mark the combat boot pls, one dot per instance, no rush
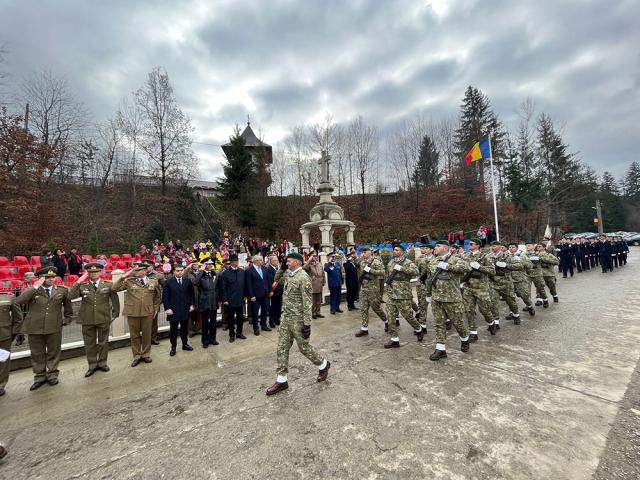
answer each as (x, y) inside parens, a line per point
(531, 310)
(392, 344)
(545, 304)
(277, 387)
(538, 302)
(473, 337)
(420, 335)
(464, 346)
(516, 320)
(362, 333)
(437, 355)
(511, 316)
(555, 299)
(424, 331)
(492, 329)
(324, 373)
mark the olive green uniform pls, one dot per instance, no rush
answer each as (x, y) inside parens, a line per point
(521, 283)
(535, 275)
(140, 305)
(159, 277)
(10, 326)
(99, 306)
(422, 264)
(548, 262)
(370, 289)
(43, 324)
(503, 284)
(400, 295)
(476, 289)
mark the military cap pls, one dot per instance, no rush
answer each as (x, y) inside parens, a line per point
(399, 245)
(93, 267)
(233, 257)
(148, 262)
(418, 244)
(529, 242)
(442, 242)
(515, 244)
(497, 242)
(140, 266)
(297, 256)
(47, 272)
(475, 240)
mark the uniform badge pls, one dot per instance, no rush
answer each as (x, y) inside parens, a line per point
(308, 288)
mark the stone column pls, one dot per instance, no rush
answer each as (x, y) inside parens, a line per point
(118, 325)
(350, 240)
(326, 241)
(305, 237)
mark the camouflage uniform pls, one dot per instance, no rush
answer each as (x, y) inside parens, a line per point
(521, 283)
(421, 289)
(400, 294)
(535, 275)
(296, 311)
(503, 284)
(476, 290)
(548, 262)
(10, 326)
(370, 289)
(447, 303)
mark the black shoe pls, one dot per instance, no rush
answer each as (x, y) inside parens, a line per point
(473, 337)
(147, 359)
(232, 338)
(104, 368)
(314, 316)
(266, 329)
(424, 331)
(320, 316)
(355, 308)
(511, 316)
(241, 336)
(205, 345)
(332, 312)
(516, 320)
(532, 311)
(339, 311)
(256, 332)
(497, 326)
(420, 335)
(187, 347)
(155, 342)
(392, 344)
(545, 304)
(492, 329)
(362, 333)
(53, 381)
(273, 325)
(172, 352)
(464, 346)
(350, 308)
(538, 303)
(2, 392)
(555, 299)
(136, 362)
(90, 372)
(37, 385)
(437, 355)
(214, 343)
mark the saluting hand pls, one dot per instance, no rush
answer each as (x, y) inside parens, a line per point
(128, 273)
(82, 278)
(39, 282)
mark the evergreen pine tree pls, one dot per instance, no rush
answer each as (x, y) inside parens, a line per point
(613, 213)
(631, 182)
(426, 173)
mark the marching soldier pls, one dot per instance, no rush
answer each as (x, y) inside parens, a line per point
(296, 324)
(99, 307)
(370, 270)
(400, 271)
(503, 283)
(10, 325)
(426, 253)
(152, 274)
(44, 324)
(535, 274)
(444, 295)
(521, 283)
(140, 305)
(475, 289)
(548, 261)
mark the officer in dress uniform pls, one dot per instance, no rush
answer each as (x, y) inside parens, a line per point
(152, 274)
(100, 305)
(44, 323)
(10, 325)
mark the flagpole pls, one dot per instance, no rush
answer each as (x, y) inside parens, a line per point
(493, 191)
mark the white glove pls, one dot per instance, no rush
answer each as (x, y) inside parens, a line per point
(429, 300)
(397, 268)
(367, 269)
(475, 265)
(535, 257)
(443, 265)
(501, 264)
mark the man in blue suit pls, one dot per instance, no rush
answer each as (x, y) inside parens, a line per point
(275, 305)
(334, 281)
(233, 288)
(178, 298)
(258, 291)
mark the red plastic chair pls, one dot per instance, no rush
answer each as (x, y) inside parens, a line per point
(15, 284)
(59, 281)
(24, 269)
(71, 279)
(4, 262)
(121, 265)
(87, 258)
(20, 261)
(105, 276)
(114, 257)
(6, 274)
(35, 262)
(126, 257)
(137, 257)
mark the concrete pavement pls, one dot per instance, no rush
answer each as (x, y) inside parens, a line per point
(536, 401)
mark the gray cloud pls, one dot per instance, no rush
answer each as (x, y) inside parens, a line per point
(286, 62)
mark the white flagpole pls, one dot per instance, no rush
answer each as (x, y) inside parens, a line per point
(493, 191)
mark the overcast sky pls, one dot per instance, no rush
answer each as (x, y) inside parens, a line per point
(291, 62)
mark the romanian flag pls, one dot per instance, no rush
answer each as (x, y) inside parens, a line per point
(480, 150)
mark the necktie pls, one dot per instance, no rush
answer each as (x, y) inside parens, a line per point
(95, 286)
(180, 281)
(142, 282)
(48, 290)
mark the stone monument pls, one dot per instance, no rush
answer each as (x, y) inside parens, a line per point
(326, 215)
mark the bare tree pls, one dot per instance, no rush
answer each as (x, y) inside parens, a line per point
(129, 120)
(56, 118)
(364, 146)
(296, 146)
(166, 132)
(403, 148)
(110, 144)
(444, 138)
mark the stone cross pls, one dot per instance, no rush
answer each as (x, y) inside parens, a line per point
(324, 167)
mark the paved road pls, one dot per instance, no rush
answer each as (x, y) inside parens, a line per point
(542, 400)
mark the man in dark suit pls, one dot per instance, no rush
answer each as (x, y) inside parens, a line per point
(334, 280)
(351, 279)
(178, 298)
(233, 297)
(208, 284)
(258, 291)
(275, 305)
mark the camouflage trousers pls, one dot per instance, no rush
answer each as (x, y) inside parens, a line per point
(5, 367)
(505, 292)
(523, 291)
(481, 298)
(550, 280)
(290, 330)
(538, 282)
(370, 298)
(443, 311)
(423, 306)
(397, 307)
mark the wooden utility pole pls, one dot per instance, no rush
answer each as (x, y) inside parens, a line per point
(599, 217)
